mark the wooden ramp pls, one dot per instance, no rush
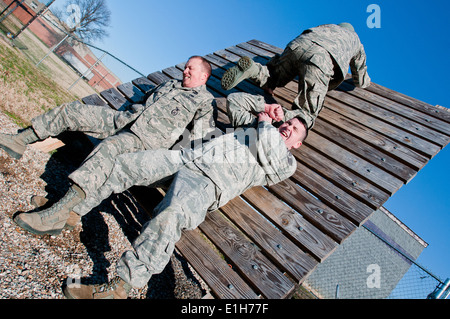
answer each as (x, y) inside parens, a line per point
(365, 145)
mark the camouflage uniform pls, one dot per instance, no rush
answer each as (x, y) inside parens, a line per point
(167, 111)
(205, 178)
(321, 57)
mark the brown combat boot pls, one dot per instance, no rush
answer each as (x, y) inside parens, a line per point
(52, 220)
(73, 220)
(115, 289)
(15, 144)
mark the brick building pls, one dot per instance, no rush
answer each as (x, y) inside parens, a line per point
(80, 57)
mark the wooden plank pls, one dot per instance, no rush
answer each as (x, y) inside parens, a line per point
(360, 166)
(246, 258)
(410, 127)
(131, 92)
(412, 114)
(48, 145)
(434, 111)
(329, 221)
(158, 77)
(375, 156)
(266, 46)
(351, 183)
(260, 52)
(144, 84)
(93, 99)
(241, 52)
(275, 245)
(115, 99)
(294, 225)
(332, 195)
(226, 55)
(218, 275)
(398, 151)
(416, 143)
(174, 73)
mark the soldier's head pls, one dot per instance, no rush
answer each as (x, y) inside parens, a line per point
(196, 72)
(347, 26)
(293, 132)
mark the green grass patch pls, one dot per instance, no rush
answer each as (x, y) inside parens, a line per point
(27, 90)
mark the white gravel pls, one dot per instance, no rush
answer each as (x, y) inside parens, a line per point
(36, 267)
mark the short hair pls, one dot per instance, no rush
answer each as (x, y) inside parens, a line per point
(205, 64)
(302, 120)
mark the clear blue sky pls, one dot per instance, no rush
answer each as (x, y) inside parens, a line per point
(409, 53)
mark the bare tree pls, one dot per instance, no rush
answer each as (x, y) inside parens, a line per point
(86, 19)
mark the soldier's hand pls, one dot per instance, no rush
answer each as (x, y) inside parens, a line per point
(275, 111)
(263, 116)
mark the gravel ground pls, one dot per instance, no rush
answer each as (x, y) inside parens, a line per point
(36, 267)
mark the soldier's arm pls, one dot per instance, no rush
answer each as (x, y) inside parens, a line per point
(359, 69)
(242, 108)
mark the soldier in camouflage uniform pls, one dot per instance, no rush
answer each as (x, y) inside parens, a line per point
(320, 57)
(206, 177)
(168, 110)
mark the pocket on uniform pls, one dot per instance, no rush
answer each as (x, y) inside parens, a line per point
(184, 101)
(169, 248)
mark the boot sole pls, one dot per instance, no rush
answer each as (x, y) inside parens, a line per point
(245, 63)
(230, 78)
(35, 231)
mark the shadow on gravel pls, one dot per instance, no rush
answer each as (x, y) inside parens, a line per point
(175, 282)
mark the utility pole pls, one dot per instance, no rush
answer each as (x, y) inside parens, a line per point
(54, 48)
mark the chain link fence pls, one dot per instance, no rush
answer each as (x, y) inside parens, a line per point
(418, 283)
(81, 68)
(368, 265)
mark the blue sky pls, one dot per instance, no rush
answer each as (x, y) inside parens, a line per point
(409, 53)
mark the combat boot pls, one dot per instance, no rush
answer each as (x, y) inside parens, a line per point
(52, 220)
(15, 144)
(245, 69)
(115, 289)
(73, 220)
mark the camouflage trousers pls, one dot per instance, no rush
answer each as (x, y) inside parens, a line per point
(96, 121)
(314, 67)
(190, 195)
(184, 207)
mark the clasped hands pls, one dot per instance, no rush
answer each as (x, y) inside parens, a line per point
(272, 112)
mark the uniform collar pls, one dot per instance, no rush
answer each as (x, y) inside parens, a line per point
(179, 84)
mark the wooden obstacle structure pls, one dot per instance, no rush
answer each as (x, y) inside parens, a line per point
(365, 145)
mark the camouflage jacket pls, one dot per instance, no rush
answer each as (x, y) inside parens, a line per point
(168, 111)
(344, 47)
(253, 155)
